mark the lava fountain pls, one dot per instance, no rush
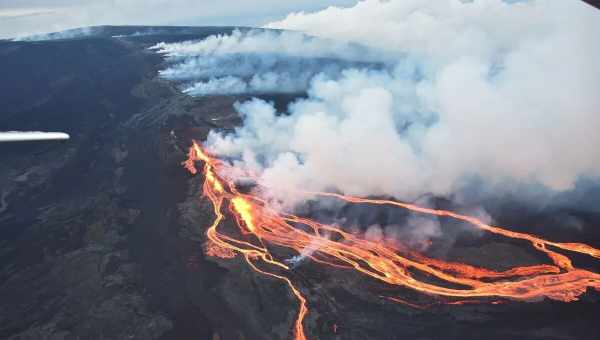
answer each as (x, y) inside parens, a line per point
(261, 226)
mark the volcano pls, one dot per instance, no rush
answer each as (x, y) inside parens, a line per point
(108, 236)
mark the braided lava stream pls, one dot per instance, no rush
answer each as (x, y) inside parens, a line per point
(261, 226)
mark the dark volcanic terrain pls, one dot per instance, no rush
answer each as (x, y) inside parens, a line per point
(101, 237)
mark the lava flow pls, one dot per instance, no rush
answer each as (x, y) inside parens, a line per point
(262, 227)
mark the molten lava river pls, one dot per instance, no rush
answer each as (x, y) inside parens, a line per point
(261, 227)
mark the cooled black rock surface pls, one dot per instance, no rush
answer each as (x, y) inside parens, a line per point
(87, 246)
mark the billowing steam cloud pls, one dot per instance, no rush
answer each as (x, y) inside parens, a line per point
(259, 61)
(483, 90)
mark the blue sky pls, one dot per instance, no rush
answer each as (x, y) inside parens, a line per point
(24, 17)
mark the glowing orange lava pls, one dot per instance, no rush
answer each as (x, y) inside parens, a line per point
(261, 226)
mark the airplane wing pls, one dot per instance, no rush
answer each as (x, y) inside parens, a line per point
(22, 136)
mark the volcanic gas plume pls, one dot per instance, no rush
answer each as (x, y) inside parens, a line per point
(261, 227)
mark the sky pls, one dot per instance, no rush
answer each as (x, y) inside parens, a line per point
(25, 17)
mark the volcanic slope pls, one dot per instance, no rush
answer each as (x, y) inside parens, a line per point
(103, 236)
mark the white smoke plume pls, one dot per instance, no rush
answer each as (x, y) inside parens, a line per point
(306, 252)
(488, 90)
(259, 61)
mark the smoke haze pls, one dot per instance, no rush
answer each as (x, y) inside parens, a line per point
(67, 34)
(19, 18)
